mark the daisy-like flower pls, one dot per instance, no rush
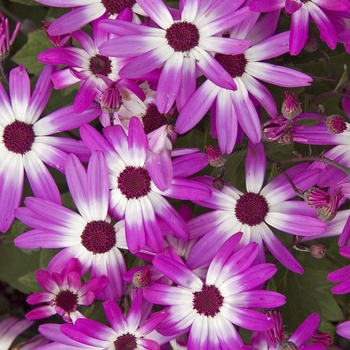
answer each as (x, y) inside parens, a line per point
(210, 309)
(246, 69)
(274, 339)
(88, 236)
(85, 65)
(87, 11)
(134, 183)
(178, 45)
(25, 144)
(254, 211)
(64, 292)
(301, 10)
(10, 328)
(126, 332)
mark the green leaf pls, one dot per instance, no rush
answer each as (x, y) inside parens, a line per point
(26, 2)
(29, 281)
(28, 55)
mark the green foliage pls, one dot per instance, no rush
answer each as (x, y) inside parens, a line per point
(28, 55)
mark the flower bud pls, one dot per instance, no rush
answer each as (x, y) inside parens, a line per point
(321, 338)
(141, 278)
(215, 157)
(335, 124)
(5, 40)
(291, 106)
(56, 40)
(218, 183)
(111, 99)
(316, 197)
(311, 44)
(317, 251)
(287, 345)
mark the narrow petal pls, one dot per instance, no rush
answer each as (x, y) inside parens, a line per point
(157, 10)
(255, 167)
(137, 143)
(115, 317)
(305, 330)
(198, 337)
(19, 87)
(85, 95)
(40, 179)
(298, 30)
(135, 233)
(167, 295)
(169, 82)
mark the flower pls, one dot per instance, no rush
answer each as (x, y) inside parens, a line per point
(10, 328)
(88, 236)
(126, 332)
(209, 309)
(274, 339)
(5, 40)
(25, 143)
(254, 211)
(301, 10)
(86, 11)
(85, 66)
(136, 186)
(232, 108)
(64, 292)
(179, 45)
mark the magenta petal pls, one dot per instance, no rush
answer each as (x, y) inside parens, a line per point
(41, 312)
(85, 95)
(137, 142)
(343, 329)
(160, 168)
(299, 30)
(115, 317)
(255, 167)
(39, 297)
(305, 330)
(134, 230)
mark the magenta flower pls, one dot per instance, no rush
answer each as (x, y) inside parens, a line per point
(230, 108)
(126, 332)
(254, 211)
(10, 328)
(134, 183)
(64, 292)
(210, 309)
(88, 236)
(274, 339)
(86, 11)
(86, 66)
(25, 142)
(6, 40)
(301, 11)
(178, 46)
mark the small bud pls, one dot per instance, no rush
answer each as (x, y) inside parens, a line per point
(5, 40)
(317, 251)
(286, 345)
(336, 124)
(215, 157)
(141, 278)
(316, 197)
(218, 183)
(324, 214)
(286, 139)
(111, 99)
(323, 338)
(274, 128)
(56, 40)
(291, 106)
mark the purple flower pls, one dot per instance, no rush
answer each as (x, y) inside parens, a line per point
(179, 45)
(88, 236)
(136, 186)
(126, 332)
(236, 107)
(274, 339)
(10, 328)
(210, 309)
(25, 142)
(85, 66)
(301, 11)
(86, 11)
(64, 292)
(254, 211)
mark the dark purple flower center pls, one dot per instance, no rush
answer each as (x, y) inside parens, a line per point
(208, 301)
(113, 7)
(125, 342)
(98, 237)
(233, 64)
(182, 36)
(134, 182)
(67, 300)
(152, 119)
(100, 65)
(18, 137)
(251, 209)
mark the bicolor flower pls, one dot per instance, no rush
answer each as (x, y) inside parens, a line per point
(136, 185)
(255, 211)
(180, 46)
(210, 309)
(88, 236)
(230, 108)
(64, 292)
(26, 144)
(126, 332)
(10, 328)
